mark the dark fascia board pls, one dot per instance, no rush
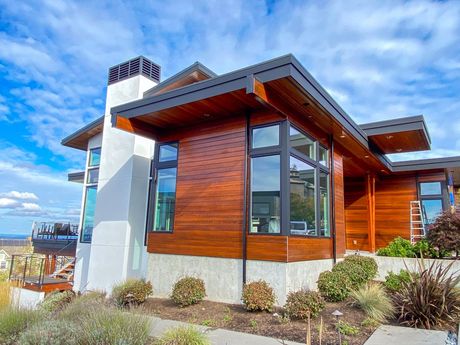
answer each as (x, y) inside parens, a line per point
(82, 130)
(197, 66)
(403, 124)
(78, 176)
(426, 164)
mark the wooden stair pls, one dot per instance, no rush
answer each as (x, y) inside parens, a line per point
(65, 272)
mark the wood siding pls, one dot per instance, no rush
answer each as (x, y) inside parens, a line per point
(209, 193)
(339, 204)
(356, 214)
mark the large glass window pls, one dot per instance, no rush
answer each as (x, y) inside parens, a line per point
(431, 209)
(302, 198)
(323, 156)
(168, 152)
(266, 136)
(94, 157)
(88, 214)
(265, 187)
(324, 204)
(165, 199)
(93, 176)
(430, 188)
(302, 143)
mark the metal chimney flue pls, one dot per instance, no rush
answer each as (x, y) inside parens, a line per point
(131, 68)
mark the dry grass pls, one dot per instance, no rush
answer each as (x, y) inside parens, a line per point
(373, 299)
(5, 295)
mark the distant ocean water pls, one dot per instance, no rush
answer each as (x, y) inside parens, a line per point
(14, 236)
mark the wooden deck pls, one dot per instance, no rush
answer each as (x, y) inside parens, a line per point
(49, 284)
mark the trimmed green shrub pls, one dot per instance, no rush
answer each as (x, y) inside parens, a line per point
(359, 269)
(334, 286)
(131, 292)
(346, 329)
(258, 295)
(183, 336)
(300, 304)
(430, 297)
(393, 281)
(106, 325)
(13, 321)
(57, 300)
(188, 291)
(399, 247)
(50, 332)
(373, 299)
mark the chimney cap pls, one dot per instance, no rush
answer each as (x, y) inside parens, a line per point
(137, 66)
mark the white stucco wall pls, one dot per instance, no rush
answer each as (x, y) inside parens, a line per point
(26, 298)
(223, 277)
(117, 247)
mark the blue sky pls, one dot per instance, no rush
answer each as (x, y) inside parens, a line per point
(378, 59)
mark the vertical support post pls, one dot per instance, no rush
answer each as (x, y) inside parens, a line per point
(52, 264)
(370, 193)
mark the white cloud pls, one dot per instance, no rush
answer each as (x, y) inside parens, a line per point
(20, 195)
(8, 203)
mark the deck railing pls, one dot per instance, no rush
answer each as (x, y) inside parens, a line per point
(54, 231)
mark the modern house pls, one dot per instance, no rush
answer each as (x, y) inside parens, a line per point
(253, 174)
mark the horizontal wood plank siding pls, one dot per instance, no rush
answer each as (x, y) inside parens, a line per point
(209, 193)
(267, 248)
(309, 248)
(392, 197)
(356, 214)
(339, 204)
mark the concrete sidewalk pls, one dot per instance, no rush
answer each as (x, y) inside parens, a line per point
(217, 336)
(392, 335)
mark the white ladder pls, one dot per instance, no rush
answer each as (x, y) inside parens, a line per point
(417, 226)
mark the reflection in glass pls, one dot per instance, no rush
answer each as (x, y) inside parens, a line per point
(431, 209)
(168, 152)
(94, 157)
(88, 214)
(323, 156)
(324, 204)
(93, 176)
(302, 198)
(302, 143)
(265, 189)
(430, 188)
(165, 199)
(265, 136)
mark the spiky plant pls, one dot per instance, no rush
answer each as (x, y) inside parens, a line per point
(430, 297)
(373, 299)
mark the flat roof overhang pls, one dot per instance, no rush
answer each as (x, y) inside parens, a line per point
(280, 84)
(78, 177)
(79, 139)
(405, 134)
(427, 164)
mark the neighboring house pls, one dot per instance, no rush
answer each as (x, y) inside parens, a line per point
(4, 258)
(254, 174)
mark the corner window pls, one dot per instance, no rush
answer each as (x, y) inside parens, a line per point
(89, 208)
(324, 156)
(324, 226)
(266, 136)
(162, 199)
(302, 143)
(266, 195)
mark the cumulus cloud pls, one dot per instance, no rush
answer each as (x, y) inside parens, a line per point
(8, 203)
(20, 195)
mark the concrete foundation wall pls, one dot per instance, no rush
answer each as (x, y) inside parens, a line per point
(223, 277)
(387, 264)
(26, 298)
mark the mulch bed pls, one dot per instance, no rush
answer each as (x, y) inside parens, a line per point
(235, 318)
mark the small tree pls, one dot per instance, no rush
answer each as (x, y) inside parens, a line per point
(445, 232)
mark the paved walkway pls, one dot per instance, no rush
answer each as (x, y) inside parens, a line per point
(392, 335)
(217, 336)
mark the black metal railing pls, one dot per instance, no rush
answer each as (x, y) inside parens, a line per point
(54, 231)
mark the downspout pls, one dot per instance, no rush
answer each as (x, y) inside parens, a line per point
(245, 196)
(334, 237)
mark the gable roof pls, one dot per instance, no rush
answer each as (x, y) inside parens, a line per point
(192, 74)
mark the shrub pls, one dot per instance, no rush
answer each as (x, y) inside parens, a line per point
(13, 321)
(131, 292)
(399, 247)
(106, 325)
(300, 304)
(334, 286)
(183, 336)
(359, 269)
(430, 297)
(188, 291)
(445, 232)
(56, 300)
(346, 329)
(50, 332)
(393, 282)
(258, 295)
(373, 299)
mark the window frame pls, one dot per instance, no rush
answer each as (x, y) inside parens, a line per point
(87, 186)
(285, 151)
(443, 196)
(155, 166)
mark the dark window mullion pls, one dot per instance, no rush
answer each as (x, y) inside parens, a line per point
(303, 157)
